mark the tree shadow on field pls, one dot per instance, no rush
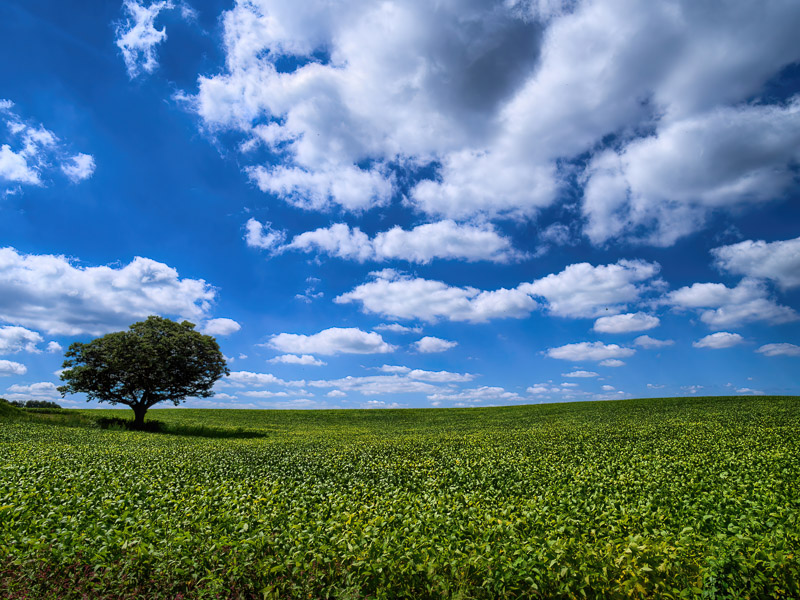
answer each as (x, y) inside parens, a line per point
(120, 424)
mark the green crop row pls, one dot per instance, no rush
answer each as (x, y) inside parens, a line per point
(677, 498)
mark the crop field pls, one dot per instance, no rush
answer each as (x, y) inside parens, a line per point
(667, 498)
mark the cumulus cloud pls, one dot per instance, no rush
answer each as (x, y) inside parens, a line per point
(17, 339)
(579, 373)
(430, 344)
(721, 339)
(779, 261)
(422, 244)
(336, 340)
(721, 306)
(9, 367)
(645, 341)
(666, 184)
(608, 388)
(626, 323)
(294, 359)
(492, 97)
(250, 379)
(220, 327)
(32, 151)
(590, 351)
(782, 349)
(583, 290)
(439, 376)
(53, 347)
(52, 294)
(398, 296)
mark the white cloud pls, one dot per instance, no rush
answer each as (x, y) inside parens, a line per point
(293, 359)
(44, 390)
(220, 327)
(241, 379)
(611, 362)
(583, 290)
(265, 394)
(479, 394)
(34, 150)
(626, 323)
(721, 339)
(645, 341)
(394, 369)
(262, 235)
(336, 340)
(730, 307)
(750, 391)
(51, 294)
(397, 328)
(493, 95)
(15, 168)
(54, 347)
(377, 384)
(81, 167)
(336, 394)
(608, 388)
(422, 244)
(666, 184)
(394, 295)
(137, 37)
(16, 339)
(654, 386)
(779, 261)
(8, 367)
(781, 349)
(579, 373)
(594, 351)
(439, 376)
(430, 344)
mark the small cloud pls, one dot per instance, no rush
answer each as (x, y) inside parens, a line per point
(645, 341)
(750, 391)
(608, 388)
(612, 362)
(579, 374)
(220, 327)
(80, 167)
(8, 367)
(53, 347)
(294, 359)
(654, 386)
(262, 236)
(336, 394)
(721, 339)
(397, 328)
(430, 344)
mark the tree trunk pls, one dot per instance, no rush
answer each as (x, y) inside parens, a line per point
(138, 419)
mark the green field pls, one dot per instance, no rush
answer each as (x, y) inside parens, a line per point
(668, 498)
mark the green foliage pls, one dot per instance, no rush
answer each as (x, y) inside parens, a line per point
(36, 404)
(156, 360)
(667, 498)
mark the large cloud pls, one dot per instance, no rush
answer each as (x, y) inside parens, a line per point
(52, 294)
(336, 340)
(9, 367)
(493, 96)
(779, 261)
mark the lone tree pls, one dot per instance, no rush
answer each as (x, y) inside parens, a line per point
(156, 360)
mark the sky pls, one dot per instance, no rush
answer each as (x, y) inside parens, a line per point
(407, 204)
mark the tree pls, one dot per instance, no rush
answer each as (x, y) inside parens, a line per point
(156, 360)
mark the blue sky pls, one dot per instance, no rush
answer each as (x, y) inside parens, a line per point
(407, 204)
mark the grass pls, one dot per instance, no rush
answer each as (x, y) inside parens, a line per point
(669, 498)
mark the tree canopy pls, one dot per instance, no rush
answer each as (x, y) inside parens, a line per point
(156, 360)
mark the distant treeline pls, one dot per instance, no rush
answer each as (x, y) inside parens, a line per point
(31, 403)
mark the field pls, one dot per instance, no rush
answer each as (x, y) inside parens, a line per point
(668, 498)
